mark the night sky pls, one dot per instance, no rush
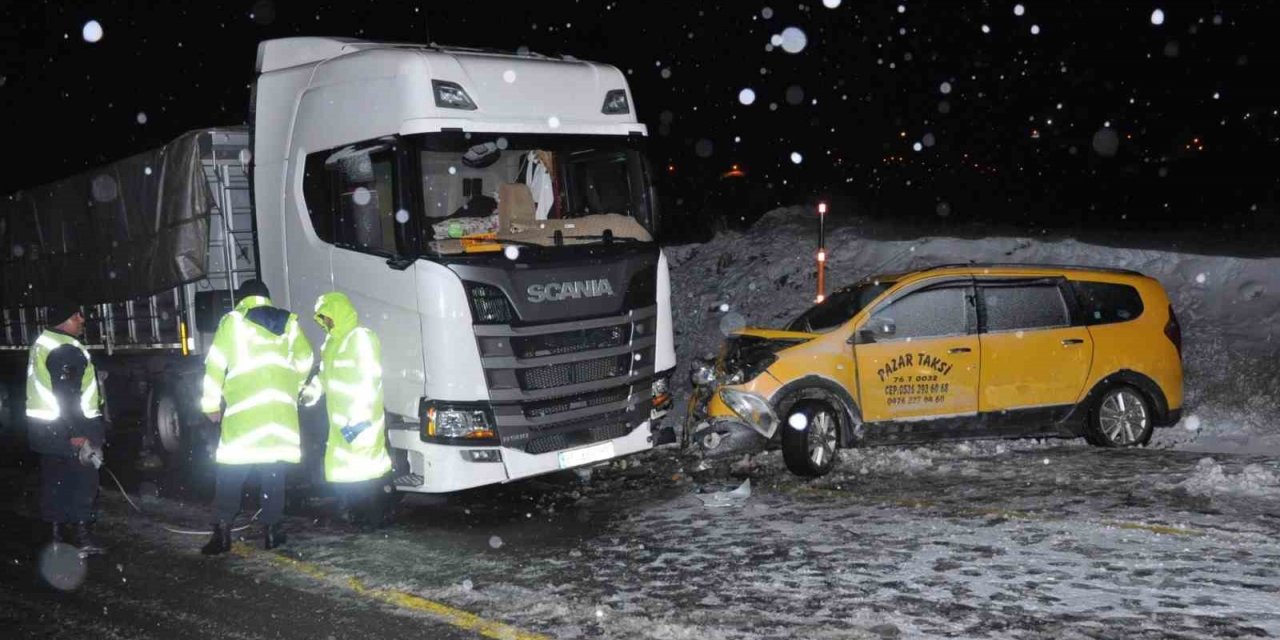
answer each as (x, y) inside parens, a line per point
(1045, 115)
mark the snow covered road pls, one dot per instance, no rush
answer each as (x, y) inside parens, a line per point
(1011, 539)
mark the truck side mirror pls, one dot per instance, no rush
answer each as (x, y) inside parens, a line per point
(400, 263)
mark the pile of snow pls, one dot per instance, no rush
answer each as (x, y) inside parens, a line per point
(1209, 479)
(1229, 307)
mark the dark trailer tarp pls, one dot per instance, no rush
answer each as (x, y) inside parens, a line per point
(126, 230)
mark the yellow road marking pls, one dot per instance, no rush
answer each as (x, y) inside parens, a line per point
(442, 612)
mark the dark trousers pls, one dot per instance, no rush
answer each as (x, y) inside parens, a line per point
(229, 485)
(67, 490)
(365, 501)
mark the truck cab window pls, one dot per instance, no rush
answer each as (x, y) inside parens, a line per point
(351, 198)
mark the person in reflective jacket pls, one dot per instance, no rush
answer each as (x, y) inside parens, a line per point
(258, 364)
(350, 378)
(64, 426)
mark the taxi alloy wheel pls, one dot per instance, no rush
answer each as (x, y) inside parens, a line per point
(810, 439)
(1122, 418)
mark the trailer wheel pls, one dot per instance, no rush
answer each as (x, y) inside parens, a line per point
(171, 436)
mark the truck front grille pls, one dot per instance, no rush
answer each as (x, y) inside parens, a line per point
(556, 344)
(569, 384)
(570, 373)
(544, 408)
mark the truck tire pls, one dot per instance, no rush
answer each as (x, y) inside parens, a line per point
(811, 438)
(170, 432)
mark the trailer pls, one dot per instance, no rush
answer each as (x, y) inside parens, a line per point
(491, 215)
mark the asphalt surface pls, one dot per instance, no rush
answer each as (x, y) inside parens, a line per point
(1013, 539)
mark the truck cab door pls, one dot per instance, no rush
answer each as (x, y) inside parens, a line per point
(371, 260)
(918, 355)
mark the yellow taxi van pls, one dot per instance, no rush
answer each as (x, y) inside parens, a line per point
(949, 352)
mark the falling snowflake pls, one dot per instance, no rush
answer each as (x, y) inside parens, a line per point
(1157, 17)
(917, 147)
(361, 196)
(402, 216)
(1035, 29)
(747, 96)
(796, 157)
(831, 4)
(495, 542)
(986, 29)
(509, 76)
(945, 88)
(1018, 9)
(553, 122)
(92, 31)
(794, 40)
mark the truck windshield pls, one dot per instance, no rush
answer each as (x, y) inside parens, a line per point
(524, 188)
(839, 307)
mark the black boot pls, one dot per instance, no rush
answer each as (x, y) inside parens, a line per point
(219, 542)
(84, 540)
(274, 536)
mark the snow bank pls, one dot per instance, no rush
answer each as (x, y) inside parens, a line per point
(1209, 479)
(1229, 307)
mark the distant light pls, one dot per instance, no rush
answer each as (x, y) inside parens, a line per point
(553, 122)
(822, 256)
(92, 31)
(747, 96)
(1157, 17)
(820, 298)
(822, 206)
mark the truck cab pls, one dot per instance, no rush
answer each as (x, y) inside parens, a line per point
(492, 218)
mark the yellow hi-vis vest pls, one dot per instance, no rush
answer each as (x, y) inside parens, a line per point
(42, 404)
(351, 379)
(259, 374)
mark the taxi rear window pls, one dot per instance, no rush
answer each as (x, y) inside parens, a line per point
(1106, 302)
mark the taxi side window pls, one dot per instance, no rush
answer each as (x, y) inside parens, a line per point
(1105, 302)
(1022, 307)
(927, 314)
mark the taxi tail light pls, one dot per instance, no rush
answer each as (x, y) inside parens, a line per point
(1173, 331)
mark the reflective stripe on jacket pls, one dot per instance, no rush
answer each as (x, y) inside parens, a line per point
(42, 404)
(258, 371)
(351, 378)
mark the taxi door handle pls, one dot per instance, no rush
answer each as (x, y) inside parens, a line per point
(959, 350)
(1072, 342)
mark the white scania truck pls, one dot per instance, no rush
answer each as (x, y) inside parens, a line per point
(492, 216)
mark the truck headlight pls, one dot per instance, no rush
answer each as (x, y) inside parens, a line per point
(753, 410)
(454, 422)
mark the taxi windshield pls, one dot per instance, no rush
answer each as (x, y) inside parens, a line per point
(839, 307)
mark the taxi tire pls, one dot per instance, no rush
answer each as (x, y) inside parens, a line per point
(1094, 433)
(796, 451)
